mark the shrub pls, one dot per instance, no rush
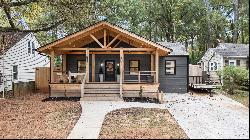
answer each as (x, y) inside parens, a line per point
(234, 79)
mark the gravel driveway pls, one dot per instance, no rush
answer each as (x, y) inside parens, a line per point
(209, 117)
(199, 116)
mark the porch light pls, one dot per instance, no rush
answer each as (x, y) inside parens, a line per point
(101, 64)
(118, 64)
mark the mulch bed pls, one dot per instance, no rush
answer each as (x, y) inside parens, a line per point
(141, 123)
(38, 116)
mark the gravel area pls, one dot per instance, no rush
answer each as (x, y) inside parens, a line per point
(202, 116)
(37, 117)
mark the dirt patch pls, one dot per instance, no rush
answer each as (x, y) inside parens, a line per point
(37, 116)
(141, 123)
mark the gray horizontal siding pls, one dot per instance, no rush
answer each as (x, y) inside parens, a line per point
(174, 83)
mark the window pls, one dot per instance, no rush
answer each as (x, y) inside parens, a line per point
(33, 48)
(232, 62)
(170, 67)
(15, 72)
(134, 66)
(213, 66)
(29, 47)
(81, 66)
(238, 63)
(226, 62)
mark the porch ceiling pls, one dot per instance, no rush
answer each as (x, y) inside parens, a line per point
(97, 31)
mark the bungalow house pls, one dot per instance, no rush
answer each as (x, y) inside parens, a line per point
(223, 55)
(19, 59)
(104, 62)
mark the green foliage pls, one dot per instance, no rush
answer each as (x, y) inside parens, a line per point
(200, 23)
(235, 79)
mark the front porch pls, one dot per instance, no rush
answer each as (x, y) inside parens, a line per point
(104, 60)
(105, 75)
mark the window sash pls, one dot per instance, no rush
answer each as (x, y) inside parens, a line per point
(170, 67)
(29, 47)
(15, 72)
(134, 67)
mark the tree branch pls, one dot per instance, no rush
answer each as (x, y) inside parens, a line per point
(19, 3)
(6, 10)
(10, 29)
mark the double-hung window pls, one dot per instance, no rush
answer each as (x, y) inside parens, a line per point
(29, 47)
(134, 67)
(15, 72)
(213, 66)
(33, 48)
(170, 67)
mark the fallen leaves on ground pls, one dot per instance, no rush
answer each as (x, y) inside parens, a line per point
(137, 123)
(31, 117)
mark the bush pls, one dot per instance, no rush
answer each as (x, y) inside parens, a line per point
(235, 79)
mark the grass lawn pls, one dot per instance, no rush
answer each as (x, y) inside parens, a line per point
(135, 123)
(240, 97)
(33, 117)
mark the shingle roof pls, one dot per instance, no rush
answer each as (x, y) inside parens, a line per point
(11, 38)
(178, 48)
(227, 50)
(230, 49)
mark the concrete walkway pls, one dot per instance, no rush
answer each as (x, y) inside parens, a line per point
(199, 116)
(90, 122)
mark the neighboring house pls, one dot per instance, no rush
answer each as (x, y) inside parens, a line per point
(104, 60)
(177, 80)
(20, 58)
(225, 54)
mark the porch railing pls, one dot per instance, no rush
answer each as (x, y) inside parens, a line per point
(140, 76)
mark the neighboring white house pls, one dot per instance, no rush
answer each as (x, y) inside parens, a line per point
(20, 58)
(225, 54)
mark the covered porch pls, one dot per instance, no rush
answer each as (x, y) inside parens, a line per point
(104, 61)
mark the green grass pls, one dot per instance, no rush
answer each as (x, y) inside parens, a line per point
(242, 97)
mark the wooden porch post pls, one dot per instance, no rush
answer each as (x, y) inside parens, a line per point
(93, 67)
(121, 70)
(64, 62)
(152, 62)
(87, 65)
(52, 61)
(157, 66)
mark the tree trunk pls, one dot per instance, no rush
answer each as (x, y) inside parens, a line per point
(192, 47)
(236, 17)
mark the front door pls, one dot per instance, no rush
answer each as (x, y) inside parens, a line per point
(109, 70)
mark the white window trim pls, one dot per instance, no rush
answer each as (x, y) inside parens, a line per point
(234, 61)
(211, 66)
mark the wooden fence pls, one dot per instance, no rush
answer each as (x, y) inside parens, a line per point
(42, 79)
(21, 89)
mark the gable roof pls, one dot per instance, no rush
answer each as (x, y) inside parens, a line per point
(178, 48)
(11, 38)
(227, 50)
(97, 27)
(230, 49)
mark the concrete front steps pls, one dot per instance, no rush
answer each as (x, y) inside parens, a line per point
(101, 92)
